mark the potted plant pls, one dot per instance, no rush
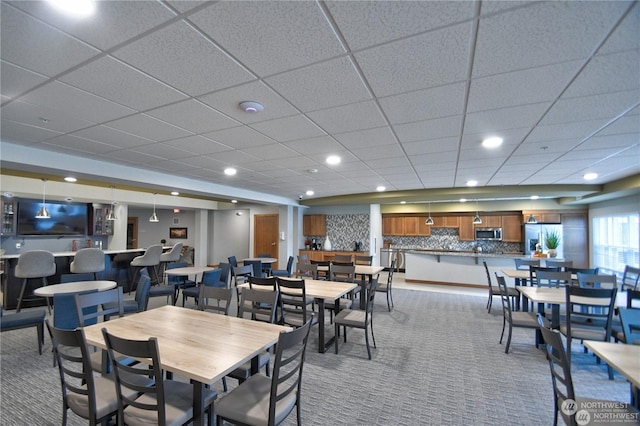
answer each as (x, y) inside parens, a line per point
(552, 241)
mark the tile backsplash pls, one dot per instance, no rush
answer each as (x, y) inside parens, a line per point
(344, 229)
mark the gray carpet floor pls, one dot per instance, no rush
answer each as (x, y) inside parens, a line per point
(438, 362)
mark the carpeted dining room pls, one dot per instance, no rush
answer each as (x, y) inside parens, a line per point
(437, 361)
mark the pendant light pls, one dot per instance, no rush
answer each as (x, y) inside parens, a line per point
(154, 216)
(532, 218)
(111, 216)
(43, 213)
(476, 219)
(429, 220)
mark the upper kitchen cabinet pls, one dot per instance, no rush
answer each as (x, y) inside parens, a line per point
(511, 229)
(392, 225)
(9, 217)
(314, 225)
(415, 225)
(101, 226)
(490, 222)
(446, 221)
(466, 232)
(542, 217)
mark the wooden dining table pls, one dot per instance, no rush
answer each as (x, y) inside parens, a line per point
(364, 270)
(200, 346)
(623, 358)
(322, 291)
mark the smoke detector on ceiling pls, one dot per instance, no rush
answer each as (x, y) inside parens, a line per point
(251, 106)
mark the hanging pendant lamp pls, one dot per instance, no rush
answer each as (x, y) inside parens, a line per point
(111, 216)
(476, 219)
(429, 220)
(532, 218)
(154, 216)
(43, 213)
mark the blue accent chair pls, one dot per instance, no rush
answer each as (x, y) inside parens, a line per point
(25, 319)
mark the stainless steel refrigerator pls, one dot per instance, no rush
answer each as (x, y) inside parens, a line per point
(534, 234)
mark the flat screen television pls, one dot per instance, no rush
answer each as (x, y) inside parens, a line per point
(66, 218)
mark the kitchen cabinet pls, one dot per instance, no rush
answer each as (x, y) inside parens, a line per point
(511, 229)
(466, 230)
(329, 255)
(101, 226)
(312, 254)
(542, 216)
(446, 221)
(415, 226)
(392, 225)
(9, 217)
(490, 222)
(314, 225)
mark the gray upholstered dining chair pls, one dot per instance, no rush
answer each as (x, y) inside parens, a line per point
(389, 286)
(88, 261)
(172, 255)
(357, 318)
(514, 294)
(158, 401)
(150, 260)
(262, 400)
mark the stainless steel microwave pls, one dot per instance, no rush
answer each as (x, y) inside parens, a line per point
(494, 234)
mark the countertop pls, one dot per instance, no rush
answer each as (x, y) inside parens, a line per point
(459, 253)
(73, 253)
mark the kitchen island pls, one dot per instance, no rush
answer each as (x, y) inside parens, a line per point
(455, 267)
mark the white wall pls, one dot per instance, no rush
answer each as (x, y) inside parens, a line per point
(151, 233)
(230, 235)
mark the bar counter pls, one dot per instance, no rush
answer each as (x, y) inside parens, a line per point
(116, 269)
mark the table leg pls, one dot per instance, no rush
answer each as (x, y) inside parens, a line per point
(321, 348)
(198, 403)
(539, 339)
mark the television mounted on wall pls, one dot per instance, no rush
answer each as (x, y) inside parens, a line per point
(66, 218)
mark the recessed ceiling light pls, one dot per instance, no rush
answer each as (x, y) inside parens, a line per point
(310, 192)
(234, 201)
(313, 170)
(492, 142)
(230, 171)
(175, 193)
(403, 202)
(70, 179)
(535, 197)
(251, 106)
(590, 176)
(176, 210)
(380, 188)
(69, 199)
(333, 160)
(79, 8)
(463, 200)
(472, 182)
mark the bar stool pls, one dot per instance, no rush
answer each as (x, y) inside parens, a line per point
(172, 255)
(150, 260)
(34, 264)
(88, 261)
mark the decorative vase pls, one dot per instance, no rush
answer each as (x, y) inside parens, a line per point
(327, 244)
(553, 252)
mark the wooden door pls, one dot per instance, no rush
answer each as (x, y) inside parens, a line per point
(265, 239)
(132, 232)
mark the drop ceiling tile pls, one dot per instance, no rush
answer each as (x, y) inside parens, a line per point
(366, 24)
(239, 137)
(16, 80)
(268, 152)
(180, 57)
(197, 145)
(85, 146)
(208, 162)
(116, 138)
(56, 118)
(163, 150)
(34, 45)
(403, 65)
(276, 42)
(377, 152)
(77, 103)
(318, 145)
(234, 158)
(607, 73)
(289, 128)
(132, 157)
(193, 115)
(561, 131)
(626, 35)
(603, 106)
(24, 134)
(148, 127)
(324, 85)
(528, 37)
(113, 80)
(369, 137)
(539, 85)
(170, 166)
(436, 102)
(498, 120)
(428, 129)
(431, 146)
(227, 101)
(617, 141)
(449, 157)
(555, 146)
(346, 118)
